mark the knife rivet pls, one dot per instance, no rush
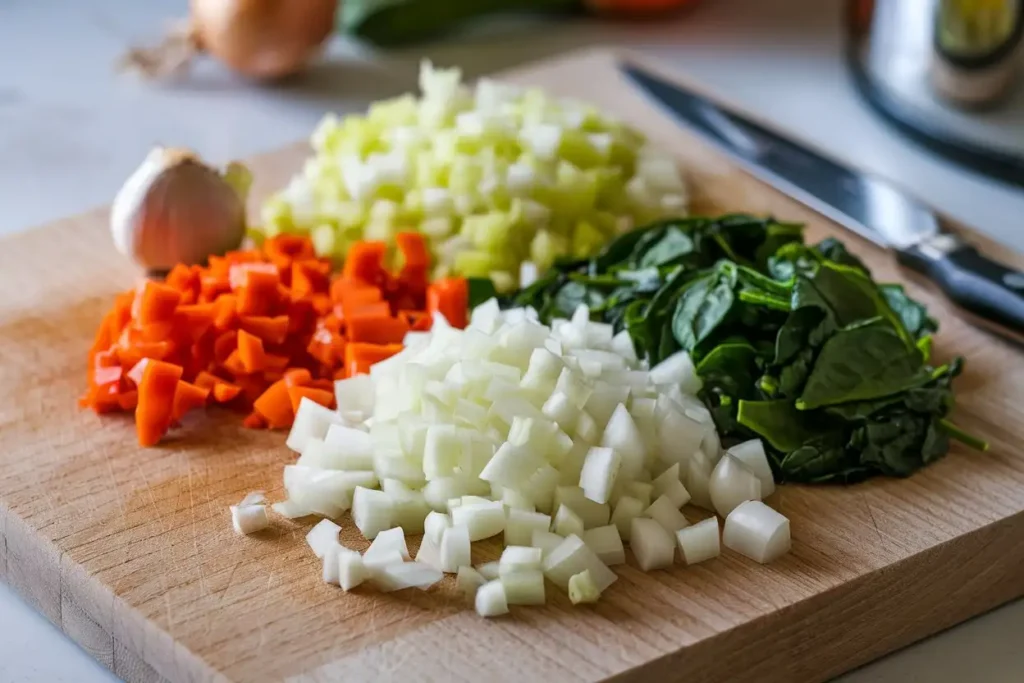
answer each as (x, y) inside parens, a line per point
(1014, 280)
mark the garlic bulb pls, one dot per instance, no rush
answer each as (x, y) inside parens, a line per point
(176, 209)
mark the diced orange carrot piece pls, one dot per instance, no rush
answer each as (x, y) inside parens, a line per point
(419, 321)
(254, 421)
(449, 297)
(360, 357)
(275, 406)
(273, 330)
(324, 384)
(284, 249)
(108, 375)
(364, 261)
(224, 345)
(188, 396)
(276, 363)
(250, 352)
(224, 392)
(154, 412)
(226, 314)
(239, 274)
(233, 364)
(324, 398)
(258, 294)
(135, 374)
(308, 278)
(156, 302)
(196, 319)
(376, 329)
(376, 309)
(182, 278)
(297, 377)
(128, 400)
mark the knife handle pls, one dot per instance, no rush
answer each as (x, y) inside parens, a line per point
(971, 280)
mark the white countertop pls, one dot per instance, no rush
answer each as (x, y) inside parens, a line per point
(71, 130)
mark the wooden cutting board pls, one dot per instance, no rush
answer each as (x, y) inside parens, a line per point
(131, 553)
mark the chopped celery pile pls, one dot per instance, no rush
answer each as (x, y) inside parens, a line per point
(495, 176)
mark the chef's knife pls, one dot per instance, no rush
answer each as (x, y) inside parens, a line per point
(867, 205)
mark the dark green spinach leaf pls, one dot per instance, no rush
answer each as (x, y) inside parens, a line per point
(704, 305)
(864, 361)
(912, 315)
(669, 250)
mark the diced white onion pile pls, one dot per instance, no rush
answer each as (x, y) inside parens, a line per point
(501, 180)
(555, 437)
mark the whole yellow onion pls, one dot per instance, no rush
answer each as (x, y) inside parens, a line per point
(262, 39)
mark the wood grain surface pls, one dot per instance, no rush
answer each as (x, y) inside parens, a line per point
(131, 553)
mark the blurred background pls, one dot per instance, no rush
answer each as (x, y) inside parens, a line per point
(70, 122)
(74, 124)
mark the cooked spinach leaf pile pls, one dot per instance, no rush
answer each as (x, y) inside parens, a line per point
(795, 343)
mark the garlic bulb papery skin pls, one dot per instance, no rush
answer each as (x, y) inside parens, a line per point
(176, 209)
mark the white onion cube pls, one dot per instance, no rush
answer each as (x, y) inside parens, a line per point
(351, 570)
(520, 526)
(670, 485)
(732, 483)
(429, 554)
(311, 420)
(434, 526)
(583, 589)
(392, 540)
(445, 448)
(699, 542)
(641, 490)
(524, 587)
(483, 520)
(626, 510)
(248, 519)
(600, 469)
(622, 434)
(751, 453)
(512, 466)
(665, 513)
(606, 543)
(372, 511)
(567, 522)
(468, 580)
(517, 558)
(677, 369)
(489, 570)
(546, 541)
(323, 537)
(349, 448)
(572, 556)
(592, 513)
(755, 530)
(652, 545)
(490, 599)
(330, 566)
(455, 549)
(395, 577)
(355, 395)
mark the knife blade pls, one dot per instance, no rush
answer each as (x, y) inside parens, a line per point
(991, 292)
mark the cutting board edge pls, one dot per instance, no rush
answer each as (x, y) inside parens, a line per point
(844, 646)
(89, 613)
(136, 650)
